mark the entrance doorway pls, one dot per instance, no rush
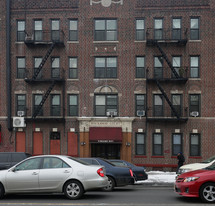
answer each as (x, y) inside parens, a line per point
(107, 151)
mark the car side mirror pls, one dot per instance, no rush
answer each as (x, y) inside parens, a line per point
(13, 169)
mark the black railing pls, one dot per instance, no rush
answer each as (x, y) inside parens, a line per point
(46, 74)
(172, 35)
(165, 73)
(44, 37)
(161, 113)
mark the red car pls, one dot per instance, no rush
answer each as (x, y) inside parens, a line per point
(198, 183)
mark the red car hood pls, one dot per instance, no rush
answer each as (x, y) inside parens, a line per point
(199, 173)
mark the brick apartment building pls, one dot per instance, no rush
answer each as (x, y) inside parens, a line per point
(129, 79)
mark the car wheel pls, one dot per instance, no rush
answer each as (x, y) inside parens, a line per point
(111, 184)
(1, 191)
(207, 192)
(73, 190)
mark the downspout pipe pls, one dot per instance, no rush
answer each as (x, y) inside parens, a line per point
(8, 65)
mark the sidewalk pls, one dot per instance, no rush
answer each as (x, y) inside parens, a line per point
(159, 178)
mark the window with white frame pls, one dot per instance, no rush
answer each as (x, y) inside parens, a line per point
(176, 28)
(140, 67)
(38, 30)
(73, 67)
(73, 104)
(158, 29)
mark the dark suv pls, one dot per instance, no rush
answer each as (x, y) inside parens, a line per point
(8, 159)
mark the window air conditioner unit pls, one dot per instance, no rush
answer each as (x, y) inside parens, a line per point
(194, 114)
(111, 113)
(20, 113)
(29, 38)
(141, 113)
(19, 122)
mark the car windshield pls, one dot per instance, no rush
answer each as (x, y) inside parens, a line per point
(79, 161)
(211, 167)
(209, 160)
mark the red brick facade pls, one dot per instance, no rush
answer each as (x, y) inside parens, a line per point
(74, 131)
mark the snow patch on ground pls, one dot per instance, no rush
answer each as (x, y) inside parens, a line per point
(159, 177)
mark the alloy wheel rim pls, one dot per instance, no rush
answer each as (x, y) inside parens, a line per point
(73, 190)
(209, 193)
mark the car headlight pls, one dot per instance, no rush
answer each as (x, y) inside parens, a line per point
(183, 170)
(190, 179)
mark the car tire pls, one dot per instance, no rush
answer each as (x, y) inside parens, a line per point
(1, 191)
(207, 192)
(110, 186)
(73, 190)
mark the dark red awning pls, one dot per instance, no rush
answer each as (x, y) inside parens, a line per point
(105, 134)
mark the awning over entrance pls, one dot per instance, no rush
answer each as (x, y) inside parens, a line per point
(105, 134)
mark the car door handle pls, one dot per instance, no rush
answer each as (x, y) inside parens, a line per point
(35, 173)
(66, 171)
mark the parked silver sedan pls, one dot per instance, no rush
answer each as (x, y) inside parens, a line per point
(52, 174)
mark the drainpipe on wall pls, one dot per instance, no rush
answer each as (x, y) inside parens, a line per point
(8, 66)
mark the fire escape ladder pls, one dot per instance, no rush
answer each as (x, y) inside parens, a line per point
(167, 99)
(36, 112)
(167, 60)
(43, 61)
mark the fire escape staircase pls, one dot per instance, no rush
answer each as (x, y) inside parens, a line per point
(36, 112)
(159, 85)
(43, 61)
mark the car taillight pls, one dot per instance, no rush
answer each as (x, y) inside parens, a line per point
(101, 172)
(131, 172)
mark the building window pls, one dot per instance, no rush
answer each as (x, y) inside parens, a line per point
(21, 103)
(105, 30)
(158, 105)
(21, 67)
(140, 144)
(176, 28)
(176, 144)
(158, 67)
(105, 103)
(195, 145)
(73, 105)
(37, 62)
(140, 29)
(73, 30)
(194, 109)
(37, 100)
(55, 105)
(54, 136)
(158, 29)
(140, 104)
(55, 61)
(194, 66)
(55, 30)
(176, 63)
(21, 30)
(157, 144)
(105, 67)
(73, 67)
(194, 28)
(176, 102)
(38, 30)
(140, 67)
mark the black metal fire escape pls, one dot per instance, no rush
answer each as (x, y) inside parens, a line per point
(43, 61)
(35, 79)
(175, 74)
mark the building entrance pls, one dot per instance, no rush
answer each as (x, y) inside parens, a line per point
(107, 151)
